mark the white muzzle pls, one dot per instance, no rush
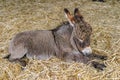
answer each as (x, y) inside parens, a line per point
(87, 51)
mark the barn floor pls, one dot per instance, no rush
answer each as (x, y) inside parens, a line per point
(22, 15)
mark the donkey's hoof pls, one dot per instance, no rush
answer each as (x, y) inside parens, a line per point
(103, 57)
(98, 66)
(22, 63)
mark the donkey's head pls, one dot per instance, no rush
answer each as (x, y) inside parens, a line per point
(82, 31)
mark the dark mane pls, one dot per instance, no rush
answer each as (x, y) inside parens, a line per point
(59, 26)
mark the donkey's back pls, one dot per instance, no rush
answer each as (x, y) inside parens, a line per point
(39, 44)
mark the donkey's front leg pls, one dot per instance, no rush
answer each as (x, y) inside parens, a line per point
(78, 57)
(97, 56)
(97, 65)
(75, 56)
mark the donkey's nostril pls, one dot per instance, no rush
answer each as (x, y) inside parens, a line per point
(87, 51)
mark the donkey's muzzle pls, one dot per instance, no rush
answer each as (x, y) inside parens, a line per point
(87, 50)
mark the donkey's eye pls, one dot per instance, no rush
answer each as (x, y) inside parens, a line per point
(83, 30)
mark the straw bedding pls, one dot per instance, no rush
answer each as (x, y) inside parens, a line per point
(22, 15)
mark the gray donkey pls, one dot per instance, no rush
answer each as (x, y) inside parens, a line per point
(70, 42)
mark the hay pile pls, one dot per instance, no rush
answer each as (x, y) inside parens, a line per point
(22, 15)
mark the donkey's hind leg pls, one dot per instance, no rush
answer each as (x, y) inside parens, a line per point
(16, 53)
(21, 61)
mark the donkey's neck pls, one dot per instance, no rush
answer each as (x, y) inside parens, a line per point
(71, 39)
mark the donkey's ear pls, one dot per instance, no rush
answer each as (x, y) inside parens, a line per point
(69, 17)
(77, 13)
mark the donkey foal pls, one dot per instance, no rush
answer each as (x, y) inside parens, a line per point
(69, 41)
